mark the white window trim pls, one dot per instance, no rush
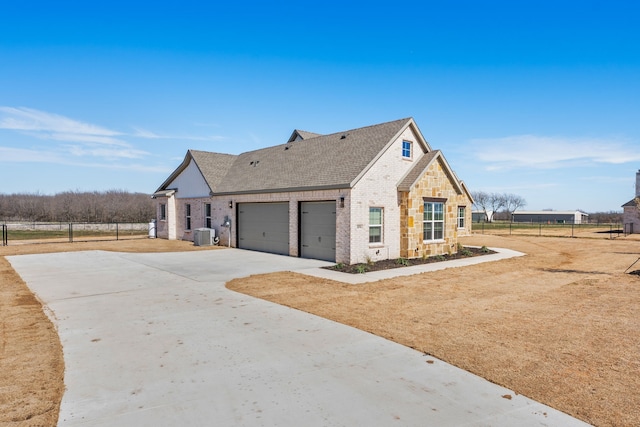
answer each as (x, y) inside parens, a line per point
(381, 226)
(434, 202)
(463, 217)
(410, 157)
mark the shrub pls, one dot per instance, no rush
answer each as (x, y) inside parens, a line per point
(361, 268)
(466, 252)
(402, 261)
(485, 249)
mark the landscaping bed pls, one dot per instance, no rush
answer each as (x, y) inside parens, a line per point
(463, 252)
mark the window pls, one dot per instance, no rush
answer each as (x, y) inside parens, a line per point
(375, 225)
(163, 212)
(207, 215)
(187, 210)
(406, 149)
(433, 221)
(461, 215)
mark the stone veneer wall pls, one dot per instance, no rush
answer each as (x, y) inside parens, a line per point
(435, 183)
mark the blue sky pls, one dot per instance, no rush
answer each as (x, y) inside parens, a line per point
(540, 99)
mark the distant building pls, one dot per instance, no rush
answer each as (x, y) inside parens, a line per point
(631, 211)
(482, 216)
(551, 217)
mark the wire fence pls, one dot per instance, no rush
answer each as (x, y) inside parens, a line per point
(606, 231)
(24, 233)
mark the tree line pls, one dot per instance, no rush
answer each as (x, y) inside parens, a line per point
(75, 206)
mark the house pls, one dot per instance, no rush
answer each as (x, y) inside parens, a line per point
(550, 217)
(372, 193)
(631, 211)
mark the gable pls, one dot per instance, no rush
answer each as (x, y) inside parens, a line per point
(190, 183)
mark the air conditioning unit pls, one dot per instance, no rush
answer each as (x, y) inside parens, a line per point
(204, 236)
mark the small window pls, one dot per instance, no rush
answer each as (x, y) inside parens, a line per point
(163, 212)
(375, 225)
(406, 149)
(187, 210)
(433, 221)
(207, 215)
(461, 215)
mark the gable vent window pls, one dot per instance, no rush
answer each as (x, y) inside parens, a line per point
(406, 149)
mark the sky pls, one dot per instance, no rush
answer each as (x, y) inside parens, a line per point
(535, 98)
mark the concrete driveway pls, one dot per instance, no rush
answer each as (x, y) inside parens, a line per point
(157, 340)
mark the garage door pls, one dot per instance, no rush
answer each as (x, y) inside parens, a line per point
(318, 230)
(264, 227)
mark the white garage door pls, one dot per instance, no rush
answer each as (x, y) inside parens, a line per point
(318, 230)
(264, 227)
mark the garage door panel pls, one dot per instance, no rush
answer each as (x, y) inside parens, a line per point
(318, 230)
(264, 227)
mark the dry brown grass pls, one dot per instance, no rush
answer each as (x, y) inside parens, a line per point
(560, 325)
(31, 362)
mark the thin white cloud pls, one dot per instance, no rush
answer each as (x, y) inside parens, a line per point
(109, 153)
(147, 134)
(541, 152)
(21, 155)
(29, 119)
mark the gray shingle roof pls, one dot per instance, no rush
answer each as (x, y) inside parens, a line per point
(303, 134)
(326, 161)
(417, 170)
(213, 166)
(631, 202)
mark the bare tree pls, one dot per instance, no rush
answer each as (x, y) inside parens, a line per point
(512, 202)
(496, 202)
(481, 202)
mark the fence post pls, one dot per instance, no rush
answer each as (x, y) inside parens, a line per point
(117, 236)
(572, 224)
(539, 229)
(4, 234)
(70, 232)
(510, 224)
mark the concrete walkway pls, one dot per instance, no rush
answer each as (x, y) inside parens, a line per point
(157, 340)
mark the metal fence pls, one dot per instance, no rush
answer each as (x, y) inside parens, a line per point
(606, 231)
(22, 232)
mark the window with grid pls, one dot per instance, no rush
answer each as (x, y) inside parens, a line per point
(461, 214)
(187, 210)
(207, 215)
(406, 149)
(433, 221)
(375, 225)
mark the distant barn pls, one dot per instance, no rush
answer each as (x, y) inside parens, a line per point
(551, 217)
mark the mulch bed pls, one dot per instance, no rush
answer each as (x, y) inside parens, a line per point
(387, 264)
